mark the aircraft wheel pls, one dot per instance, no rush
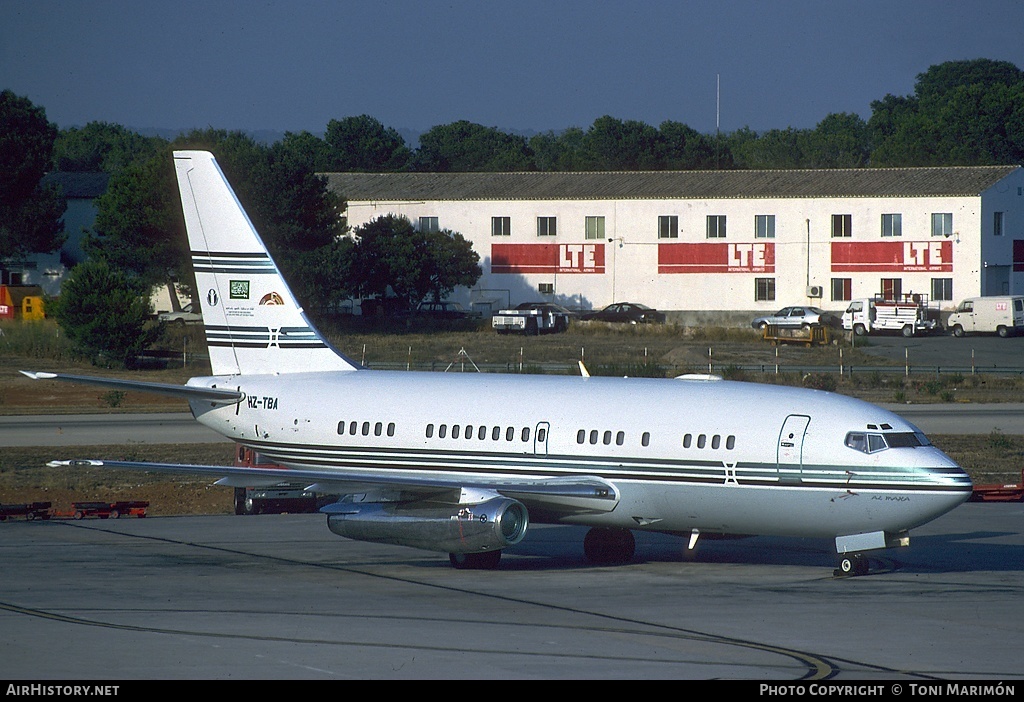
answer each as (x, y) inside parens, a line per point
(602, 545)
(487, 560)
(856, 564)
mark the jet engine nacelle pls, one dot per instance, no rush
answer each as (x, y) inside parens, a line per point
(465, 528)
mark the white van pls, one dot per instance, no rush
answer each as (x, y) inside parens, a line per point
(1003, 315)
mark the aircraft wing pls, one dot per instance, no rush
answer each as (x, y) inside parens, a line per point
(556, 496)
(188, 392)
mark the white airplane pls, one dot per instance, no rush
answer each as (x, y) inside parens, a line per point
(463, 463)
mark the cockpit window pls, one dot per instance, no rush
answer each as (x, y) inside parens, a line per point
(868, 442)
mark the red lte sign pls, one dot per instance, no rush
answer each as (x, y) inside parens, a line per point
(547, 258)
(892, 256)
(716, 258)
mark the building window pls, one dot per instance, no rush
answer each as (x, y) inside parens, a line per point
(546, 288)
(942, 289)
(842, 289)
(997, 223)
(892, 288)
(764, 289)
(429, 224)
(764, 226)
(501, 226)
(668, 227)
(716, 226)
(942, 224)
(594, 227)
(892, 225)
(842, 226)
(546, 226)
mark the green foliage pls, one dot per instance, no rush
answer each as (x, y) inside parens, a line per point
(464, 147)
(392, 254)
(105, 314)
(962, 113)
(139, 227)
(29, 212)
(102, 147)
(364, 144)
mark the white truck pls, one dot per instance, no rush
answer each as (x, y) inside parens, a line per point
(907, 315)
(532, 318)
(1002, 315)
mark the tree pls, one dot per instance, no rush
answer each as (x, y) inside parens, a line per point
(139, 229)
(392, 254)
(466, 147)
(839, 141)
(614, 145)
(105, 312)
(103, 147)
(30, 214)
(687, 149)
(364, 144)
(961, 113)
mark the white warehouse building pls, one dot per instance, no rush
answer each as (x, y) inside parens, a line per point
(718, 245)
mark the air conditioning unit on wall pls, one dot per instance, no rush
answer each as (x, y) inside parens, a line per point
(814, 291)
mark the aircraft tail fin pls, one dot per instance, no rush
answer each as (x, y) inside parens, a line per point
(253, 323)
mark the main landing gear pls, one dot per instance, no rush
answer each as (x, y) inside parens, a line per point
(603, 545)
(486, 560)
(851, 565)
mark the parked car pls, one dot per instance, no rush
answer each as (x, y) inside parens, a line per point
(189, 314)
(532, 318)
(626, 312)
(798, 316)
(445, 310)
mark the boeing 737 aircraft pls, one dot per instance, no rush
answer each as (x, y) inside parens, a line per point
(462, 464)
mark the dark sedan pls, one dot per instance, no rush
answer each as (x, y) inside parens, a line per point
(627, 313)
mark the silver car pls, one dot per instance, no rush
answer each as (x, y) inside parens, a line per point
(797, 316)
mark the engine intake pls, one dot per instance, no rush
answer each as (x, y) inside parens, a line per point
(485, 526)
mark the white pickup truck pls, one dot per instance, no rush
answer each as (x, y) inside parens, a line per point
(908, 315)
(532, 318)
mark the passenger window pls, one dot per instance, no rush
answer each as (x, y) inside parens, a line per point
(730, 443)
(341, 427)
(430, 431)
(378, 428)
(645, 439)
(510, 433)
(526, 433)
(687, 440)
(352, 428)
(716, 441)
(481, 433)
(391, 429)
(620, 438)
(702, 441)
(366, 428)
(469, 431)
(456, 428)
(593, 436)
(607, 438)
(542, 435)
(581, 436)
(442, 431)
(495, 433)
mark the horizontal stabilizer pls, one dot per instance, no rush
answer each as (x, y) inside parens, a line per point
(188, 392)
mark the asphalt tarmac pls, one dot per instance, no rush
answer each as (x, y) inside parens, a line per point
(279, 597)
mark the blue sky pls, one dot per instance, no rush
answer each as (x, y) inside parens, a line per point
(516, 65)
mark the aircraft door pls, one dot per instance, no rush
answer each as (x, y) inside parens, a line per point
(540, 439)
(791, 447)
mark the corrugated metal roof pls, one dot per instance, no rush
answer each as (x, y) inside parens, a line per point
(860, 182)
